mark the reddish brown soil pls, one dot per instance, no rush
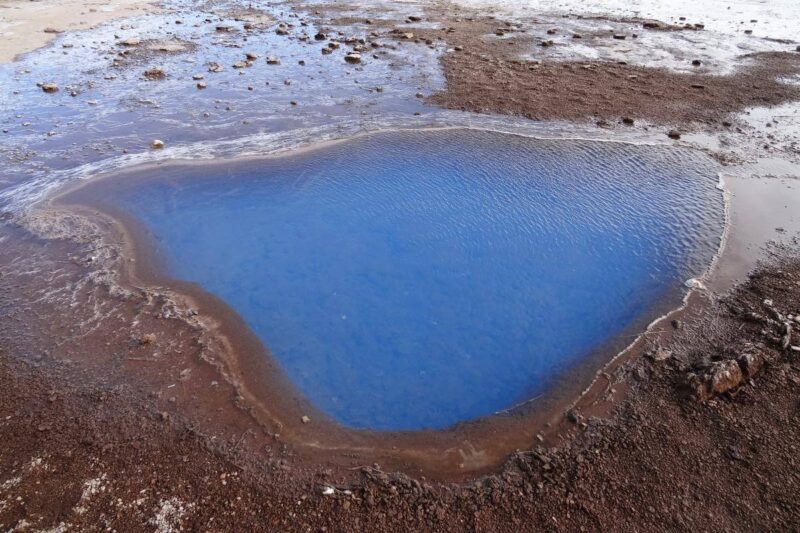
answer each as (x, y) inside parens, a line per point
(84, 449)
(484, 74)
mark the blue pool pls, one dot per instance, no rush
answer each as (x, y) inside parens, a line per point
(413, 280)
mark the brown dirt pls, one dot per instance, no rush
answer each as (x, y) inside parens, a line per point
(486, 75)
(124, 457)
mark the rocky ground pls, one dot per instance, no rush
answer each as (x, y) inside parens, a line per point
(704, 436)
(705, 439)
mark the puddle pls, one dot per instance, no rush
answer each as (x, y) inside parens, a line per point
(409, 280)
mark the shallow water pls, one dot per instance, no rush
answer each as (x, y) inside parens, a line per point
(413, 280)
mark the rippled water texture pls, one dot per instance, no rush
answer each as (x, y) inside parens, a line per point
(418, 279)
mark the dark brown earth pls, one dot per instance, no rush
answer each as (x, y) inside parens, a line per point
(93, 440)
(92, 452)
(486, 75)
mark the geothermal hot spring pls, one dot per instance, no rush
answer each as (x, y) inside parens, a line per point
(411, 280)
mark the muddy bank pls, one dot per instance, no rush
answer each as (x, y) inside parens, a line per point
(117, 459)
(491, 67)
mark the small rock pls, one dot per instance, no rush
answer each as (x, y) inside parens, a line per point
(272, 60)
(215, 67)
(251, 56)
(156, 144)
(305, 419)
(619, 36)
(240, 64)
(201, 85)
(353, 57)
(320, 36)
(155, 74)
(51, 30)
(50, 87)
(628, 121)
(133, 41)
(674, 134)
(696, 62)
(720, 377)
(198, 77)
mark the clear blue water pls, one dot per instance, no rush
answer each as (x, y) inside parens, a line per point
(415, 280)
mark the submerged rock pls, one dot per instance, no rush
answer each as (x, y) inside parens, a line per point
(353, 57)
(155, 74)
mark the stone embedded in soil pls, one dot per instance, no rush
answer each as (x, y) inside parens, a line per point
(133, 41)
(718, 378)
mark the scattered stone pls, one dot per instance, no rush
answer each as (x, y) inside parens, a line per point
(353, 57)
(272, 60)
(67, 45)
(215, 67)
(155, 74)
(201, 85)
(133, 41)
(696, 62)
(305, 419)
(50, 87)
(620, 36)
(251, 56)
(659, 354)
(51, 30)
(718, 378)
(320, 36)
(674, 134)
(157, 144)
(653, 25)
(628, 121)
(546, 44)
(750, 363)
(698, 86)
(240, 64)
(197, 77)
(414, 18)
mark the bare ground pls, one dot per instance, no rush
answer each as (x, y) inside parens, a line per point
(95, 456)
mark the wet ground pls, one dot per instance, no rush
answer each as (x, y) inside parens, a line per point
(224, 80)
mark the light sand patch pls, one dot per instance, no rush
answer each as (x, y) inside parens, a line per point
(23, 22)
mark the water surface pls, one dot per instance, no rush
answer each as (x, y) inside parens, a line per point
(413, 280)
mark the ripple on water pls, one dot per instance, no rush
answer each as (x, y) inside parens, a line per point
(413, 280)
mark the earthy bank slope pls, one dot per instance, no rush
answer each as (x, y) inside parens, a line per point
(88, 456)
